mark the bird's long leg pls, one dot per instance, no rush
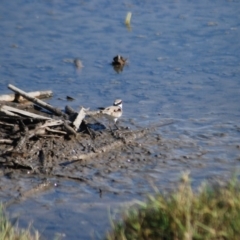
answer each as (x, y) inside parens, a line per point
(109, 125)
(110, 128)
(116, 126)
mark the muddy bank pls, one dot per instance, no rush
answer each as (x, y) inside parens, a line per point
(65, 190)
(70, 145)
(79, 173)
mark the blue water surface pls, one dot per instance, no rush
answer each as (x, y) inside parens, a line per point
(183, 65)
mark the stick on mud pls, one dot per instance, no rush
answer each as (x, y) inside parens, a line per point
(57, 111)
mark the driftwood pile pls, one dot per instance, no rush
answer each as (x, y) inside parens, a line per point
(21, 125)
(48, 141)
(40, 140)
(34, 139)
(54, 122)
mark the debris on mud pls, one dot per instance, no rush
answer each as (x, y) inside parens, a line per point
(39, 137)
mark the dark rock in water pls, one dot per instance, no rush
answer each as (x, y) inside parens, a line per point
(119, 61)
(78, 64)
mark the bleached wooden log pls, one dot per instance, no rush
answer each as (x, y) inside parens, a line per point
(8, 141)
(37, 132)
(36, 94)
(7, 97)
(52, 123)
(21, 143)
(41, 130)
(57, 111)
(19, 98)
(8, 113)
(81, 115)
(22, 112)
(49, 136)
(55, 131)
(7, 124)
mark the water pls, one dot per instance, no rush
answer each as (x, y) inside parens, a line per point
(183, 65)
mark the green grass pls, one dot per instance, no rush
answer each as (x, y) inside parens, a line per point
(10, 232)
(212, 213)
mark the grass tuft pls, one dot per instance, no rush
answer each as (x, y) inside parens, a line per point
(10, 232)
(212, 213)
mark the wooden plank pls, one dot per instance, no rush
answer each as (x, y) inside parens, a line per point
(57, 111)
(22, 112)
(8, 113)
(8, 141)
(19, 98)
(81, 115)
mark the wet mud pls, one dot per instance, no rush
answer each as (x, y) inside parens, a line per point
(109, 160)
(80, 176)
(94, 152)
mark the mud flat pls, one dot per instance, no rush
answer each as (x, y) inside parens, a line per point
(45, 150)
(37, 138)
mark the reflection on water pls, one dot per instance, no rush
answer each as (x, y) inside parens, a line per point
(183, 64)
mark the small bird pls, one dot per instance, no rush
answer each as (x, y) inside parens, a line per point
(119, 61)
(113, 112)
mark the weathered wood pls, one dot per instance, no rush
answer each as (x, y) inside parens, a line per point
(37, 132)
(8, 113)
(21, 143)
(69, 129)
(50, 136)
(52, 123)
(41, 130)
(56, 111)
(19, 98)
(8, 141)
(7, 124)
(7, 97)
(22, 112)
(81, 115)
(36, 94)
(55, 131)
